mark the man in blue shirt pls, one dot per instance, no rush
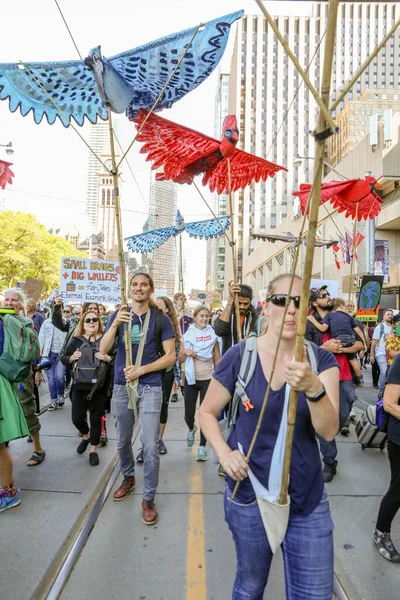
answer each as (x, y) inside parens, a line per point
(149, 391)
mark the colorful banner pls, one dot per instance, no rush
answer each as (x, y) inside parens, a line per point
(381, 257)
(369, 297)
(90, 280)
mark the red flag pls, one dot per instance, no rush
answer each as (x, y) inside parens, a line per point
(336, 249)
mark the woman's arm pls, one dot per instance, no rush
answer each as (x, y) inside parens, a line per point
(216, 354)
(217, 397)
(391, 399)
(182, 355)
(325, 412)
(70, 354)
(320, 326)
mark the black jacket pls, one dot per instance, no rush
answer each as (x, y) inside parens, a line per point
(312, 333)
(224, 330)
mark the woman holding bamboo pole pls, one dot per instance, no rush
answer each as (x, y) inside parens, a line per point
(308, 543)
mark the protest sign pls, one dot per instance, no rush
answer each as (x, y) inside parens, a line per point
(90, 280)
(201, 296)
(48, 302)
(160, 292)
(369, 297)
(33, 288)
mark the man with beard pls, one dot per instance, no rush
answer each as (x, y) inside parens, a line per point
(321, 304)
(225, 324)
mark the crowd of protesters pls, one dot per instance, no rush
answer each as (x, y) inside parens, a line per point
(83, 353)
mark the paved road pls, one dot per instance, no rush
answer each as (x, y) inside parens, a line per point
(189, 554)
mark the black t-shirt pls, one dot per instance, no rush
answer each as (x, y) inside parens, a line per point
(393, 376)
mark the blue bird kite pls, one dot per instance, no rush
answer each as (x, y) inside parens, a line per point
(146, 242)
(126, 82)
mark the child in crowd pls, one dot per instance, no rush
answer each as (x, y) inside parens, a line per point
(343, 327)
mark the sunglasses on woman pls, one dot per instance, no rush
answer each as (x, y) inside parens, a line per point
(92, 320)
(280, 300)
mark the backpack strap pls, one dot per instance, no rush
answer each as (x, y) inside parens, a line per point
(158, 332)
(248, 353)
(312, 356)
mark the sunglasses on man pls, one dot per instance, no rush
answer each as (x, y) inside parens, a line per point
(324, 295)
(92, 320)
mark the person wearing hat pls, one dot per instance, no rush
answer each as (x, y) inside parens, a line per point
(393, 340)
(225, 324)
(321, 304)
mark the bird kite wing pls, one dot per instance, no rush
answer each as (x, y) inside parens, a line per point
(208, 229)
(245, 168)
(148, 241)
(6, 174)
(368, 208)
(345, 196)
(170, 145)
(148, 67)
(72, 85)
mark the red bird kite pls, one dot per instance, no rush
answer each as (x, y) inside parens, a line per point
(6, 174)
(345, 195)
(184, 153)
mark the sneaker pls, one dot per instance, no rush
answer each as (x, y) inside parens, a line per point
(201, 454)
(385, 546)
(174, 397)
(140, 457)
(190, 437)
(103, 434)
(359, 381)
(162, 448)
(53, 405)
(329, 472)
(221, 471)
(124, 489)
(345, 430)
(353, 417)
(60, 401)
(7, 501)
(150, 515)
(103, 439)
(375, 385)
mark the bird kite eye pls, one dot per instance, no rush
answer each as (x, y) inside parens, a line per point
(228, 132)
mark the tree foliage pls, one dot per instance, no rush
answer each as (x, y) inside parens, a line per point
(27, 249)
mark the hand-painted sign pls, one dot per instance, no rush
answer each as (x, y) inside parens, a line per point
(369, 297)
(33, 288)
(90, 280)
(201, 296)
(47, 303)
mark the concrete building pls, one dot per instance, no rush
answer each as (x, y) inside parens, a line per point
(378, 153)
(275, 113)
(99, 141)
(353, 120)
(161, 264)
(217, 248)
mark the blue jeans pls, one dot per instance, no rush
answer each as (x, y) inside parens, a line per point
(382, 362)
(56, 377)
(347, 396)
(149, 401)
(307, 552)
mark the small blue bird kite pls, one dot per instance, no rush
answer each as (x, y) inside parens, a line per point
(126, 82)
(148, 241)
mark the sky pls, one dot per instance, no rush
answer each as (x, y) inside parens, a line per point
(50, 162)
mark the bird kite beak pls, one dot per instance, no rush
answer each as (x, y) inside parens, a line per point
(235, 137)
(378, 186)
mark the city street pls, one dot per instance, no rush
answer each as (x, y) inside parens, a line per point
(189, 554)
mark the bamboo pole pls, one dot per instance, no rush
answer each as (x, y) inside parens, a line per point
(314, 206)
(353, 253)
(233, 247)
(323, 107)
(124, 299)
(181, 265)
(364, 66)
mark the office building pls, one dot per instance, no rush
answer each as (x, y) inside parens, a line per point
(99, 141)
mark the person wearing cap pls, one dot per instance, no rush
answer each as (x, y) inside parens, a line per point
(321, 304)
(393, 340)
(225, 324)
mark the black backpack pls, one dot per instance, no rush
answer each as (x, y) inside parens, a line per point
(85, 371)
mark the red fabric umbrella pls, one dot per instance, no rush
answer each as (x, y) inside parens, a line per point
(346, 195)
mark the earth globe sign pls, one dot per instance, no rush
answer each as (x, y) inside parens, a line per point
(370, 295)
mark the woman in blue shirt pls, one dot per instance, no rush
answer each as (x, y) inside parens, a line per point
(308, 544)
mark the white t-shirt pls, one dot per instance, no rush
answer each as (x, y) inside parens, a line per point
(381, 335)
